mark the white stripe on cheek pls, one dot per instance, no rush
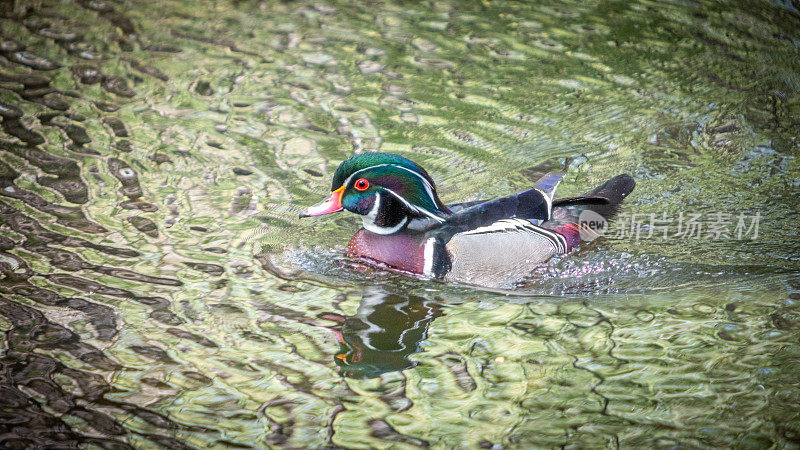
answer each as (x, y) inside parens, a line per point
(373, 213)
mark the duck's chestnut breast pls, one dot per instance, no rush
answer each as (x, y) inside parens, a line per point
(402, 251)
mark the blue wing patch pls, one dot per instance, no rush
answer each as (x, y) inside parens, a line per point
(548, 183)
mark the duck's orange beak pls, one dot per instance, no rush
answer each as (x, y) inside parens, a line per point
(331, 204)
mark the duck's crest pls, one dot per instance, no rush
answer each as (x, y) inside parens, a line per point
(363, 161)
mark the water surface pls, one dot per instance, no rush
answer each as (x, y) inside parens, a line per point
(158, 289)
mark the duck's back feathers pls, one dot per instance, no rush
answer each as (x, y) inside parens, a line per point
(531, 204)
(536, 204)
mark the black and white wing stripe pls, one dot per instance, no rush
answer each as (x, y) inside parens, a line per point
(558, 241)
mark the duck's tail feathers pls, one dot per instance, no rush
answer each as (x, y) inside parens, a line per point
(614, 190)
(605, 199)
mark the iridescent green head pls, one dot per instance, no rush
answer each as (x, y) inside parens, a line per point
(385, 189)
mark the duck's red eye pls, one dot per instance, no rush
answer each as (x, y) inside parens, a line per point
(361, 184)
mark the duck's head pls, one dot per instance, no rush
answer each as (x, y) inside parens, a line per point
(386, 190)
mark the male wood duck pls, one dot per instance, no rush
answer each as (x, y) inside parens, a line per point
(407, 228)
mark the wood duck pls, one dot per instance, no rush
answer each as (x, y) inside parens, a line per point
(407, 228)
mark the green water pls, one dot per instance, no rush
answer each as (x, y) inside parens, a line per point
(159, 290)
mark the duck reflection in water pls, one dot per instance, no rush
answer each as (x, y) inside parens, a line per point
(385, 330)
